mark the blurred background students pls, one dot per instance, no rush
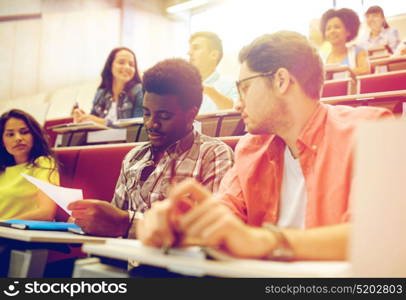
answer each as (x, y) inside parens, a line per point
(24, 150)
(119, 95)
(173, 95)
(206, 52)
(339, 27)
(401, 49)
(379, 33)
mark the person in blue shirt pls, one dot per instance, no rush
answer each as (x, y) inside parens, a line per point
(119, 95)
(205, 53)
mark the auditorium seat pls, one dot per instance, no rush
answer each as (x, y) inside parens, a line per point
(337, 87)
(391, 81)
(219, 124)
(52, 134)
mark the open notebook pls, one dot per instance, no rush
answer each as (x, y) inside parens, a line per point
(39, 225)
(197, 261)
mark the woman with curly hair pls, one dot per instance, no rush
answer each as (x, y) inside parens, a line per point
(339, 27)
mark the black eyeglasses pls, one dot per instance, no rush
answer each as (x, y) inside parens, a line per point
(239, 82)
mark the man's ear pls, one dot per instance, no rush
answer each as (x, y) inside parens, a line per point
(282, 80)
(191, 115)
(215, 55)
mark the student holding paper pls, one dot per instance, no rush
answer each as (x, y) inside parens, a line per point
(119, 95)
(287, 195)
(24, 150)
(173, 95)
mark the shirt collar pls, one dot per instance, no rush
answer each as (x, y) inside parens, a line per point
(380, 35)
(313, 131)
(180, 146)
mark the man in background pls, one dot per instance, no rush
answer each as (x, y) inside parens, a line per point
(206, 52)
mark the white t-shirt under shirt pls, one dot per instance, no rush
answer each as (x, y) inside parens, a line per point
(112, 114)
(293, 194)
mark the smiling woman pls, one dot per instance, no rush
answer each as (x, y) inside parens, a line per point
(380, 33)
(339, 28)
(119, 95)
(24, 150)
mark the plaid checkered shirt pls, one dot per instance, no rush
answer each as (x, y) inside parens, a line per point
(197, 156)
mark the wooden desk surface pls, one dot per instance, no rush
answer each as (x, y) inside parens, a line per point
(48, 236)
(133, 250)
(335, 68)
(383, 75)
(223, 112)
(334, 81)
(387, 60)
(361, 97)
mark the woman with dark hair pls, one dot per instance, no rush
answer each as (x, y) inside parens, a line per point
(340, 27)
(379, 33)
(119, 95)
(24, 150)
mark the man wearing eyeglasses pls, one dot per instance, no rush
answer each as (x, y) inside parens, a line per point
(287, 195)
(205, 53)
(175, 151)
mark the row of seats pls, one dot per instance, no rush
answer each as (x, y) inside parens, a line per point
(229, 123)
(390, 81)
(58, 104)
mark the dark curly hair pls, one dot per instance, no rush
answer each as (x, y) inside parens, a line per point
(40, 145)
(290, 50)
(175, 77)
(349, 18)
(107, 75)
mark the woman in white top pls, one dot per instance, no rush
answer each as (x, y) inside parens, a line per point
(119, 95)
(379, 33)
(340, 27)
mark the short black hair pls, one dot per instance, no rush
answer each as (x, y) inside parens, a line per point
(290, 50)
(214, 41)
(175, 77)
(349, 18)
(40, 145)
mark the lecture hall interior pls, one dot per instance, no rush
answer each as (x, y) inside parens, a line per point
(54, 57)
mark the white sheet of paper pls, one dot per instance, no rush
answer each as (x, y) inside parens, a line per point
(61, 195)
